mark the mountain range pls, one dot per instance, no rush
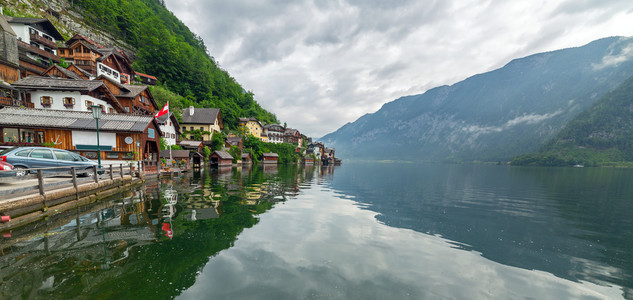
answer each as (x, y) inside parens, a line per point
(492, 116)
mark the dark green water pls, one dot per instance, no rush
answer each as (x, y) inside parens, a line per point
(358, 231)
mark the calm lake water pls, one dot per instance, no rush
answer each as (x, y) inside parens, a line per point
(358, 231)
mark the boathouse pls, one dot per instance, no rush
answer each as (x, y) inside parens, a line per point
(270, 158)
(221, 158)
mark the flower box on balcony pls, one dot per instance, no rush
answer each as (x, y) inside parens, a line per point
(68, 105)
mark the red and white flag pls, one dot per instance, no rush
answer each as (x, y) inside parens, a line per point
(163, 111)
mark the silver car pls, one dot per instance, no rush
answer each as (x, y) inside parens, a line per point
(23, 158)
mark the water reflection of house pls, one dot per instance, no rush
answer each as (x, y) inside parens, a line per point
(270, 169)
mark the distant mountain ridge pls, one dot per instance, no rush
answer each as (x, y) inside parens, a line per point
(491, 116)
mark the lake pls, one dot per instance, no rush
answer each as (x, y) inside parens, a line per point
(357, 231)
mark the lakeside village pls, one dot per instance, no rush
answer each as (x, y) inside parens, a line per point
(45, 104)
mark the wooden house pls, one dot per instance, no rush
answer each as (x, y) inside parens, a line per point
(270, 158)
(56, 71)
(191, 145)
(247, 159)
(9, 57)
(274, 133)
(121, 136)
(145, 79)
(221, 158)
(81, 52)
(234, 141)
(308, 161)
(292, 136)
(115, 64)
(37, 43)
(136, 99)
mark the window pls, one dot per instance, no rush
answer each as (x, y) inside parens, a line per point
(103, 110)
(127, 109)
(63, 155)
(46, 101)
(201, 128)
(173, 136)
(11, 135)
(112, 155)
(150, 133)
(23, 153)
(191, 128)
(41, 153)
(111, 110)
(69, 101)
(89, 105)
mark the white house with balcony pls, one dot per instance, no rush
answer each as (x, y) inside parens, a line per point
(67, 94)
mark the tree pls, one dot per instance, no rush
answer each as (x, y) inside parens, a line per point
(206, 152)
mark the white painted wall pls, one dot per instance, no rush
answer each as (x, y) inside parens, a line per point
(169, 129)
(57, 98)
(90, 138)
(22, 31)
(104, 70)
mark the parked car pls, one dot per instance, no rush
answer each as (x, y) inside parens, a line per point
(6, 169)
(23, 158)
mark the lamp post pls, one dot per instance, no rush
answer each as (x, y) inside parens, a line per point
(96, 114)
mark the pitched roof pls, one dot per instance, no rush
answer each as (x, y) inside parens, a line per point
(145, 75)
(4, 25)
(48, 83)
(192, 144)
(45, 23)
(80, 70)
(222, 154)
(133, 89)
(67, 119)
(200, 116)
(234, 140)
(68, 73)
(270, 154)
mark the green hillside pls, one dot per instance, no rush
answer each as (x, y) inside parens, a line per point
(165, 48)
(601, 135)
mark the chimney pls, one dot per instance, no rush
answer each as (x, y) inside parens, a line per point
(191, 110)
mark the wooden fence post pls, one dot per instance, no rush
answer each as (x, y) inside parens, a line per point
(121, 166)
(96, 174)
(73, 171)
(111, 175)
(40, 185)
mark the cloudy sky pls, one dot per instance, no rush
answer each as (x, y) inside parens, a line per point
(318, 64)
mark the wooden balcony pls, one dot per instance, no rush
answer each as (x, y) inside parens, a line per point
(42, 40)
(38, 51)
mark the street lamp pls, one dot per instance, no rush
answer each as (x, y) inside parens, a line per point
(96, 114)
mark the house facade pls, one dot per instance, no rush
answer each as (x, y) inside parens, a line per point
(37, 43)
(121, 136)
(253, 127)
(203, 119)
(67, 94)
(274, 133)
(170, 128)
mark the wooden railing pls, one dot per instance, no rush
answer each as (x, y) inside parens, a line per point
(42, 40)
(49, 179)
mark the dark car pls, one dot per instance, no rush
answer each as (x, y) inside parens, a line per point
(23, 158)
(6, 169)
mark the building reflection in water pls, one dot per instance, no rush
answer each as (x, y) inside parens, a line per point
(84, 249)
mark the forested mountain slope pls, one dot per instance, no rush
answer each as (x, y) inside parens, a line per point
(162, 44)
(492, 116)
(602, 134)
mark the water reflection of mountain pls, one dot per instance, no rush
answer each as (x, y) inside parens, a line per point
(574, 227)
(143, 243)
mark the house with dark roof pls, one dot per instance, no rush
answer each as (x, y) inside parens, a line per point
(82, 52)
(121, 136)
(67, 94)
(145, 78)
(115, 64)
(56, 71)
(203, 119)
(221, 158)
(37, 43)
(274, 133)
(270, 158)
(234, 141)
(292, 136)
(136, 99)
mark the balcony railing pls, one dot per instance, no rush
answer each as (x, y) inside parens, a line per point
(42, 40)
(38, 51)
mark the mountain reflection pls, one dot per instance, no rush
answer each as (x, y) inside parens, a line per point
(566, 221)
(146, 242)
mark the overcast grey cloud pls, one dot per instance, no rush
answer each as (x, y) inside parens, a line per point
(318, 64)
